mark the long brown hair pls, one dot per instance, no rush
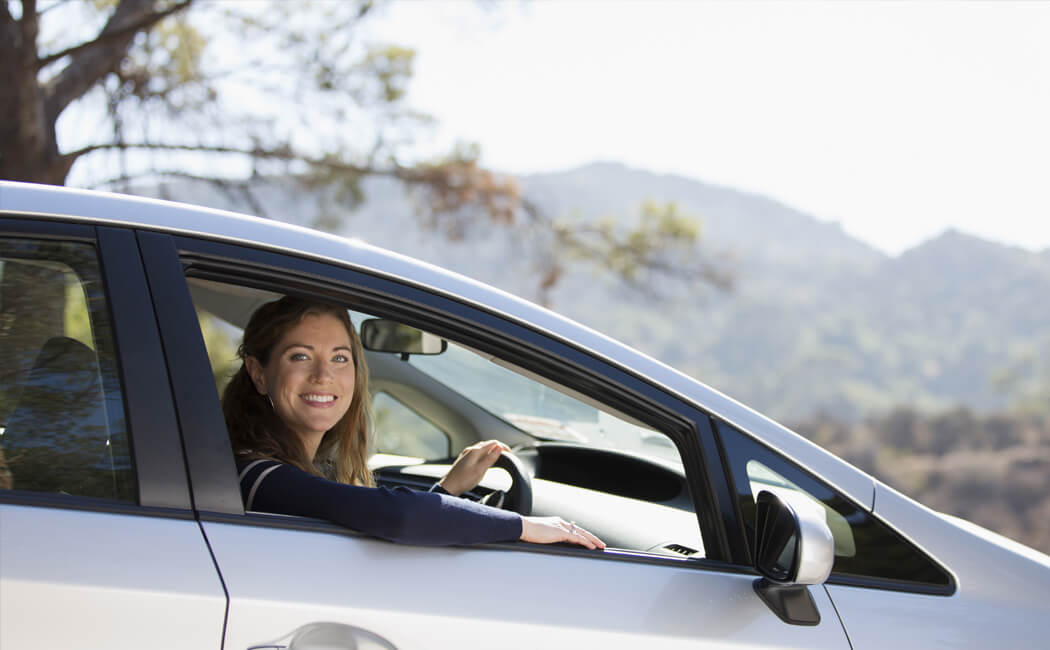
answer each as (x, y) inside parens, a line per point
(257, 431)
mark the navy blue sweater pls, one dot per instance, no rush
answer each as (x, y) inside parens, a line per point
(398, 514)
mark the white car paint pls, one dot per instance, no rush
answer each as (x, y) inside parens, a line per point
(497, 599)
(1001, 596)
(81, 579)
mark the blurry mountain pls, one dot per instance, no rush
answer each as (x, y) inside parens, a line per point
(818, 322)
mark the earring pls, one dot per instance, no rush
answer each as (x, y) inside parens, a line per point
(270, 399)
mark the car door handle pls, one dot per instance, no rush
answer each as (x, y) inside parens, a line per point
(327, 636)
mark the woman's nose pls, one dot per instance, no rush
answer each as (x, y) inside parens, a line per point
(322, 370)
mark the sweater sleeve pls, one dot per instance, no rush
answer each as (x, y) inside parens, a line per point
(398, 514)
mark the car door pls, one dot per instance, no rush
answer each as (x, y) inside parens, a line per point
(285, 574)
(99, 547)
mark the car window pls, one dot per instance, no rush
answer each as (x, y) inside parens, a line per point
(612, 474)
(866, 551)
(400, 431)
(538, 408)
(621, 479)
(63, 426)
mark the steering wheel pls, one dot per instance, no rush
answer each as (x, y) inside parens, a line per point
(519, 497)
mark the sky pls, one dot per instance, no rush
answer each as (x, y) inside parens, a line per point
(897, 120)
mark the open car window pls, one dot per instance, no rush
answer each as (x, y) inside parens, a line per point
(609, 472)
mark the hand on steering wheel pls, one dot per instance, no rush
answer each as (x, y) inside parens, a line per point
(472, 464)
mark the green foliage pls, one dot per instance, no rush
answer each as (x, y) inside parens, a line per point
(660, 231)
(221, 342)
(1025, 377)
(391, 69)
(660, 245)
(75, 312)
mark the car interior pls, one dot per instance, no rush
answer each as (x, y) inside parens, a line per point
(55, 356)
(572, 456)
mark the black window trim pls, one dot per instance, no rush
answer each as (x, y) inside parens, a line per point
(160, 475)
(156, 443)
(484, 330)
(837, 578)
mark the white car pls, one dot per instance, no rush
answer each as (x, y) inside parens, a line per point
(122, 525)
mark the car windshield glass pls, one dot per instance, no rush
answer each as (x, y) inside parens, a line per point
(537, 409)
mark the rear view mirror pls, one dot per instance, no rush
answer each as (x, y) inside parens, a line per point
(793, 548)
(382, 335)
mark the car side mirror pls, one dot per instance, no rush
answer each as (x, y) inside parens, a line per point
(382, 335)
(793, 548)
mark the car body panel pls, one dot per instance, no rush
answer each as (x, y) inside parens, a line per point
(418, 597)
(82, 579)
(1001, 588)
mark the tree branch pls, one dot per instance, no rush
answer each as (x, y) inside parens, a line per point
(108, 36)
(230, 188)
(599, 246)
(102, 56)
(30, 26)
(284, 154)
(54, 5)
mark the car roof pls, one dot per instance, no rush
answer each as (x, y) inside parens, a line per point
(102, 208)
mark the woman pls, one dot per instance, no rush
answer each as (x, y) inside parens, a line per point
(298, 415)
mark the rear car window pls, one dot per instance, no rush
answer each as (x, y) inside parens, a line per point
(62, 423)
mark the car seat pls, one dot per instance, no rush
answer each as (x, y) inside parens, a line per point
(58, 438)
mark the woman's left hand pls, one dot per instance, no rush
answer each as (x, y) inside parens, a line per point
(471, 466)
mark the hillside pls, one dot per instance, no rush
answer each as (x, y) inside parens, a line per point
(818, 322)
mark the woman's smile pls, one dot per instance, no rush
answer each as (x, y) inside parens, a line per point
(318, 400)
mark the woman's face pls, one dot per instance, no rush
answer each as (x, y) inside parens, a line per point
(309, 377)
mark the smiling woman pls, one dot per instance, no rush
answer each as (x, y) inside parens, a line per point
(297, 383)
(297, 411)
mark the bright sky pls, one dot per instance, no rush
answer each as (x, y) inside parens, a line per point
(896, 119)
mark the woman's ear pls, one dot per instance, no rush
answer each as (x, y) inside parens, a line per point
(255, 371)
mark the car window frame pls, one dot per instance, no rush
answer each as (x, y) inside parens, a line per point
(153, 433)
(171, 258)
(770, 456)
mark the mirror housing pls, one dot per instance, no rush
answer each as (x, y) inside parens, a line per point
(793, 543)
(793, 548)
(383, 335)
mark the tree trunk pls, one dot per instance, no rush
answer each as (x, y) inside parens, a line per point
(29, 110)
(28, 147)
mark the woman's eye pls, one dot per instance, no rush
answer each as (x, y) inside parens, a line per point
(341, 358)
(299, 356)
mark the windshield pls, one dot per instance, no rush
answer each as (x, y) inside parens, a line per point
(537, 409)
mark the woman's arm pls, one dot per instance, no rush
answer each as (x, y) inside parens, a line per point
(398, 514)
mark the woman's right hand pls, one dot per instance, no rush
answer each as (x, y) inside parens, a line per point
(548, 530)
